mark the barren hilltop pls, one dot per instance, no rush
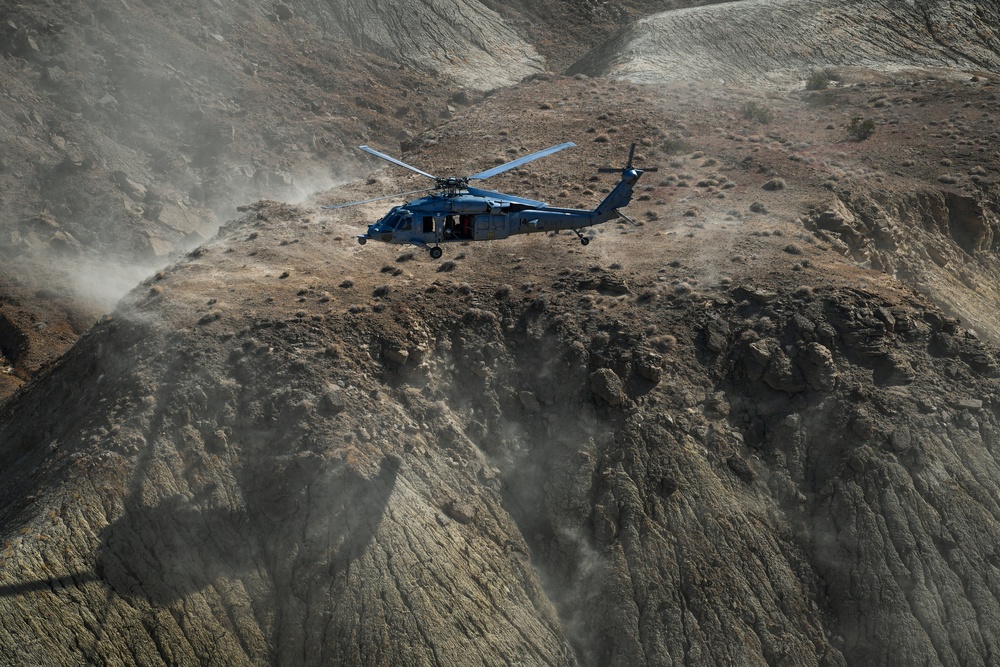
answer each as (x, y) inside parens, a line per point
(757, 424)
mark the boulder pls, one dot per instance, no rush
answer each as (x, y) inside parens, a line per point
(461, 511)
(716, 335)
(782, 374)
(333, 400)
(396, 355)
(757, 358)
(649, 365)
(134, 189)
(608, 386)
(64, 242)
(818, 367)
(178, 217)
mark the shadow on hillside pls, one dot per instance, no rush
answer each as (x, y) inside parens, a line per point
(75, 580)
(357, 505)
(167, 552)
(160, 553)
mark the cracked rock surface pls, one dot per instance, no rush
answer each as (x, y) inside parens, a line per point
(745, 426)
(267, 485)
(773, 41)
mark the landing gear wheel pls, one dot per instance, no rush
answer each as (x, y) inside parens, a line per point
(436, 253)
(362, 240)
(584, 240)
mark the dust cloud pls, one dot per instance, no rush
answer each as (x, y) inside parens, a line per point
(97, 283)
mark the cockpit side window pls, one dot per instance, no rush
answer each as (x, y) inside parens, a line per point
(405, 224)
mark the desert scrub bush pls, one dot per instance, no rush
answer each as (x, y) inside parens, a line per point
(757, 112)
(861, 128)
(817, 81)
(674, 146)
(823, 98)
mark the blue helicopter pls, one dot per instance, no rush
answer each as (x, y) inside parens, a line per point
(459, 212)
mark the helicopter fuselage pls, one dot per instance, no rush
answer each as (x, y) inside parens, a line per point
(465, 215)
(459, 212)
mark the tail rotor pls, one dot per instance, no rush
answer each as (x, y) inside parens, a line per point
(627, 167)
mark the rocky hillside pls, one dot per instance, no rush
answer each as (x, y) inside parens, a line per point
(710, 437)
(768, 42)
(259, 460)
(130, 131)
(745, 427)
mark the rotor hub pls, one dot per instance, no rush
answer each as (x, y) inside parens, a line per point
(452, 183)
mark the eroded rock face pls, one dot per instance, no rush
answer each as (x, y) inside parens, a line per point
(465, 41)
(941, 241)
(769, 40)
(245, 493)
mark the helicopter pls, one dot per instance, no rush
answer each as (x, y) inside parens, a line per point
(458, 211)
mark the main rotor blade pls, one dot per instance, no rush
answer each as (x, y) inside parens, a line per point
(366, 201)
(393, 160)
(499, 196)
(616, 170)
(518, 162)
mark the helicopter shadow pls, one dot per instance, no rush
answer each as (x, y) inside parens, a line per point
(160, 554)
(75, 580)
(356, 504)
(167, 552)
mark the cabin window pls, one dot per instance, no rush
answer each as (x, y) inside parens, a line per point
(482, 222)
(428, 224)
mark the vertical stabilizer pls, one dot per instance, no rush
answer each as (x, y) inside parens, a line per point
(622, 194)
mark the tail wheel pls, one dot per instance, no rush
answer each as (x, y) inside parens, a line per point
(436, 253)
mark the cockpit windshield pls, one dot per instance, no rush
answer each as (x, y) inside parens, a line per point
(397, 221)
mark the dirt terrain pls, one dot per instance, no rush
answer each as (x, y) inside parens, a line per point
(132, 130)
(746, 427)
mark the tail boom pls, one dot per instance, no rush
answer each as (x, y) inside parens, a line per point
(552, 219)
